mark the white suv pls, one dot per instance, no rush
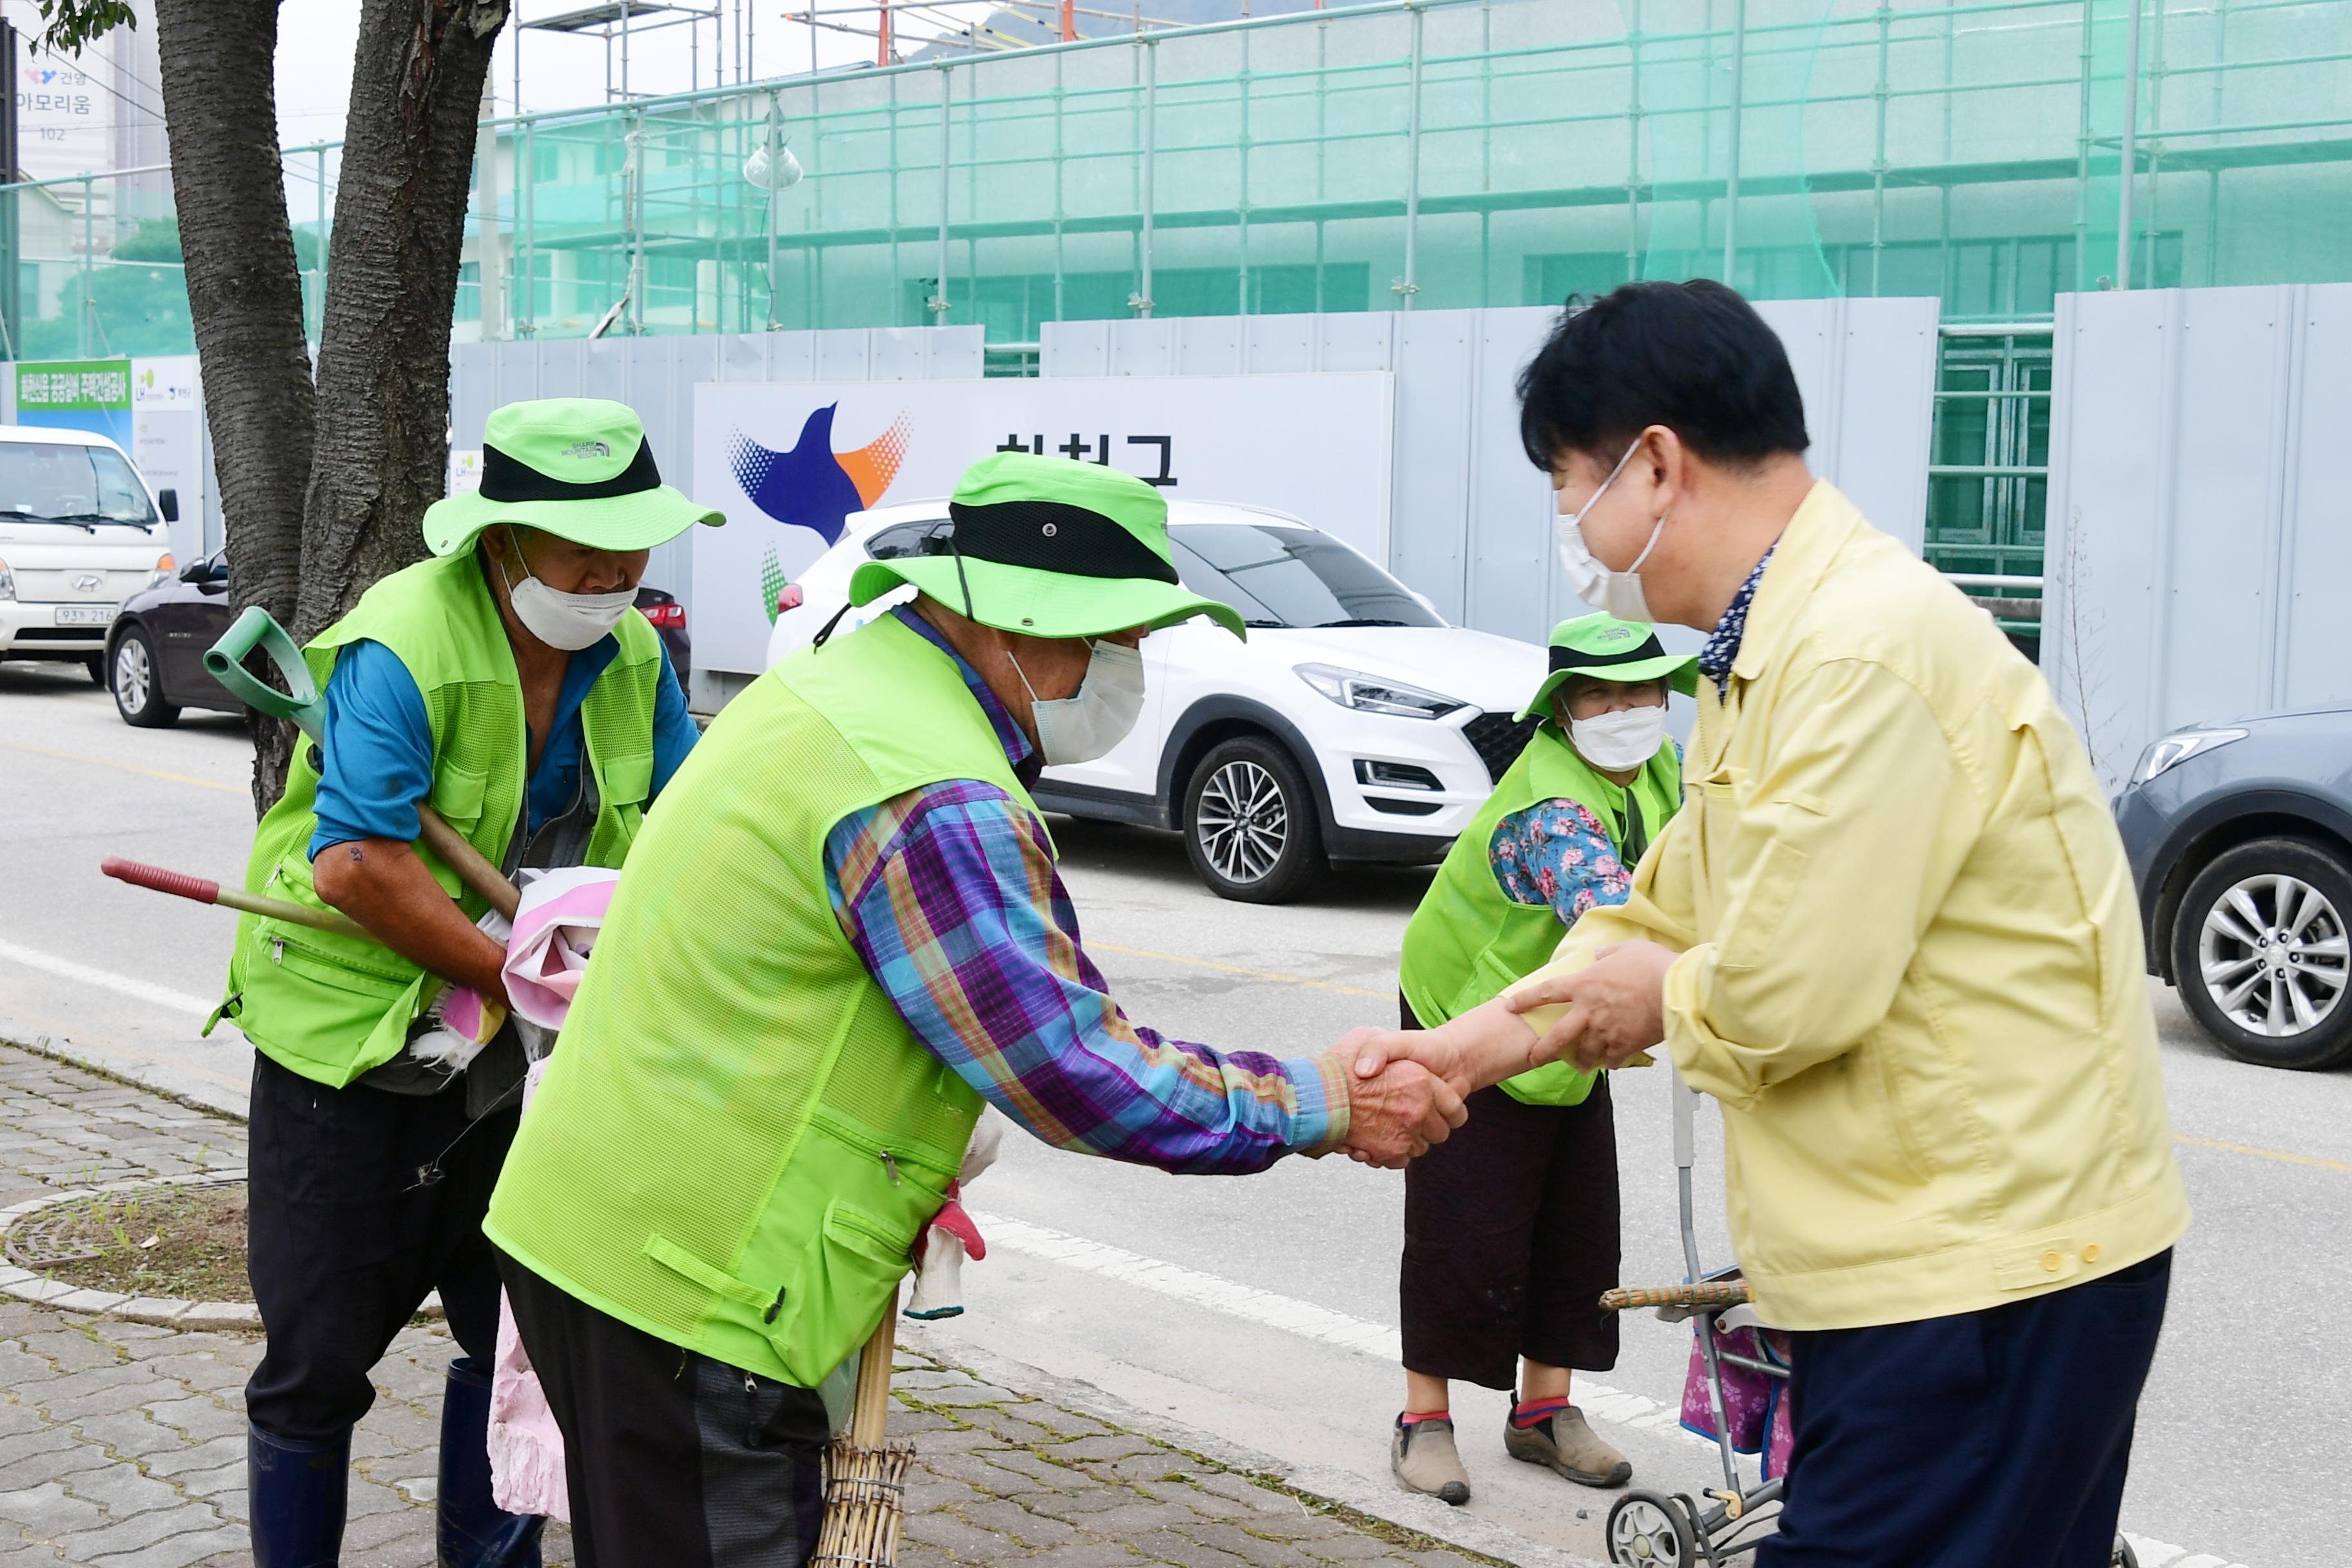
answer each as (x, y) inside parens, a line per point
(1354, 724)
(78, 534)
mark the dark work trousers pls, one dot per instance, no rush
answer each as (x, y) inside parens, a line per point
(345, 1243)
(672, 1459)
(1510, 1237)
(1993, 1438)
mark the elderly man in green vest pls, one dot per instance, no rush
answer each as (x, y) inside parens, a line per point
(1510, 1231)
(844, 935)
(508, 682)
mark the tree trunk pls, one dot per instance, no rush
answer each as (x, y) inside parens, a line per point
(244, 296)
(383, 449)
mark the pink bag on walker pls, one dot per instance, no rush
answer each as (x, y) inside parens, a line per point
(1754, 1404)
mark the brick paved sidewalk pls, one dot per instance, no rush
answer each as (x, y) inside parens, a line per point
(121, 1445)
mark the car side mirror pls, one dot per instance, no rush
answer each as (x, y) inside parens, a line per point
(169, 500)
(197, 572)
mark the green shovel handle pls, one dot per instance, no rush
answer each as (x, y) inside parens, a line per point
(225, 662)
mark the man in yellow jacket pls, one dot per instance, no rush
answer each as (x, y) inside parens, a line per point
(1893, 932)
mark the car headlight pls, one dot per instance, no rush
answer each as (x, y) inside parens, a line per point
(7, 582)
(1374, 694)
(162, 573)
(2163, 755)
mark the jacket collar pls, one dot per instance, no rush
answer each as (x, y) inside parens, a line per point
(1816, 533)
(1026, 764)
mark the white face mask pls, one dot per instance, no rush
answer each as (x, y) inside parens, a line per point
(1621, 742)
(568, 621)
(1080, 728)
(1617, 594)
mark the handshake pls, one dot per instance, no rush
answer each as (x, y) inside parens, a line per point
(1405, 1086)
(1396, 1107)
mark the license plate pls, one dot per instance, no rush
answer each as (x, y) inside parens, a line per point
(85, 615)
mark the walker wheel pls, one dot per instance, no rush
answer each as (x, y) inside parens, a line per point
(1650, 1529)
(2124, 1556)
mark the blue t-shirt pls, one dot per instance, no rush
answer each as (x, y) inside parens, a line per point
(379, 746)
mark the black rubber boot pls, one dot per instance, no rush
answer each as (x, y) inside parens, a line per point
(295, 1491)
(474, 1532)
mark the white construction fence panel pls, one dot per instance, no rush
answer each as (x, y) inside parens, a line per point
(789, 462)
(2199, 536)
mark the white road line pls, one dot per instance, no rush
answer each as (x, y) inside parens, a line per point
(106, 980)
(1598, 1400)
(1305, 1318)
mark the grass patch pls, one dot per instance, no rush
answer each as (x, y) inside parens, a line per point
(185, 1242)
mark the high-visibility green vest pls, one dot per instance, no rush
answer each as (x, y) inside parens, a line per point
(329, 1008)
(738, 1137)
(1469, 941)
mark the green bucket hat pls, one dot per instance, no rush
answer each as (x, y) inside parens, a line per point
(1607, 648)
(578, 468)
(1051, 548)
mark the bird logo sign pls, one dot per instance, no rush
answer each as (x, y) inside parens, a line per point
(813, 486)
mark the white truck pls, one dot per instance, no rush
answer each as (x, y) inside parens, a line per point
(79, 532)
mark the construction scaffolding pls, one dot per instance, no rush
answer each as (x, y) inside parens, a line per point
(1412, 154)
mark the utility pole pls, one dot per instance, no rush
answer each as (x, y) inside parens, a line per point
(882, 55)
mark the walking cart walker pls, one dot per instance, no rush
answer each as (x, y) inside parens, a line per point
(1653, 1529)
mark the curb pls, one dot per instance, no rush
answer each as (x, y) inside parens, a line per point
(1358, 1494)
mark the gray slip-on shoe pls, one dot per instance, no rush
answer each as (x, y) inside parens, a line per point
(1566, 1444)
(1422, 1456)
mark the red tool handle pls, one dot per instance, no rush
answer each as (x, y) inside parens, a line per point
(179, 884)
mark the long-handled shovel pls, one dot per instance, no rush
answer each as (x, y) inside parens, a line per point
(204, 890)
(865, 1477)
(301, 704)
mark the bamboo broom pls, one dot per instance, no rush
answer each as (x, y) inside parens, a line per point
(865, 1478)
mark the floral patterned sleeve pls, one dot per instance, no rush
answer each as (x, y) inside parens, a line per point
(1555, 852)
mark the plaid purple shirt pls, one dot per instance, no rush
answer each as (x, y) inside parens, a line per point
(950, 896)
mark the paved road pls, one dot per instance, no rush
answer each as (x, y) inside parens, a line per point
(1266, 1320)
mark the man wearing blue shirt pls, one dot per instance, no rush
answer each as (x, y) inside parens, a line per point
(509, 683)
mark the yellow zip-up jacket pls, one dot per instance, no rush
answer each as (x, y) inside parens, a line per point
(1911, 968)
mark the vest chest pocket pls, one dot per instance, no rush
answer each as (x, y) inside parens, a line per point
(627, 780)
(457, 795)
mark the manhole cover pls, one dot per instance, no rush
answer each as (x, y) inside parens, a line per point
(65, 1233)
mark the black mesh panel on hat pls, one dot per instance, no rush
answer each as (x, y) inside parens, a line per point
(1051, 536)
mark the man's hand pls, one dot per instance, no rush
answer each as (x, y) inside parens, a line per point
(1397, 1114)
(1371, 1051)
(1616, 1007)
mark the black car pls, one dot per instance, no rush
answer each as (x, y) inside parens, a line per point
(154, 658)
(2239, 837)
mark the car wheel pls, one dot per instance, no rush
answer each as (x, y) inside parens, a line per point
(1249, 824)
(96, 664)
(138, 692)
(2259, 951)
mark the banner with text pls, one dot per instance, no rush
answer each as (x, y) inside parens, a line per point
(788, 462)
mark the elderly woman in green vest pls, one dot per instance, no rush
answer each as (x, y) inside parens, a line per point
(1511, 1227)
(508, 682)
(844, 934)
